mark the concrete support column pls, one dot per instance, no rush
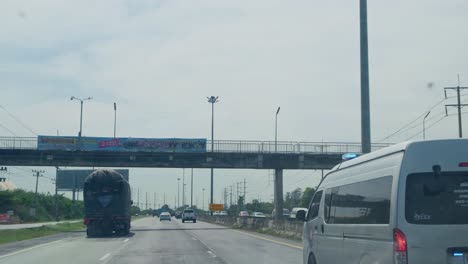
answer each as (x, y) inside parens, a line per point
(278, 194)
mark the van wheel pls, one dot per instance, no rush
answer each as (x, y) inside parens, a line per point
(311, 260)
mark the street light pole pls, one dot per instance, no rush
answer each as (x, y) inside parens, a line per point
(212, 100)
(191, 190)
(424, 124)
(365, 105)
(81, 111)
(115, 118)
(178, 192)
(203, 199)
(276, 129)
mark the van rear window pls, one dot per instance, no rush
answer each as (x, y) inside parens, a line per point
(437, 199)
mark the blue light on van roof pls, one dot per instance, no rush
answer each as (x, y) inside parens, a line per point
(348, 156)
(456, 254)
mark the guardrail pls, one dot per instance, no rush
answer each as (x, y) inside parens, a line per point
(235, 146)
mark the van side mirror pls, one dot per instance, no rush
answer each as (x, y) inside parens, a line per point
(301, 215)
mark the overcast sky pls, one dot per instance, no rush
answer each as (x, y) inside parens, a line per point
(160, 59)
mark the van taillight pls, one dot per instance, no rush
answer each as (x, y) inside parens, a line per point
(463, 164)
(86, 221)
(400, 247)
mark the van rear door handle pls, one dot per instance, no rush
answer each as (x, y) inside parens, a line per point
(322, 228)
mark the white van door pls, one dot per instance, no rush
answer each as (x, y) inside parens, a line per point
(364, 210)
(329, 236)
(435, 217)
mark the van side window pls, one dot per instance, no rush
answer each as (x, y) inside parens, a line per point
(328, 213)
(314, 206)
(366, 202)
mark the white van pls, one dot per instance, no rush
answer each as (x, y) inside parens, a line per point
(407, 203)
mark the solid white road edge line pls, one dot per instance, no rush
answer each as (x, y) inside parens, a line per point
(27, 249)
(105, 256)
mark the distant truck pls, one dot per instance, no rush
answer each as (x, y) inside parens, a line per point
(107, 204)
(189, 215)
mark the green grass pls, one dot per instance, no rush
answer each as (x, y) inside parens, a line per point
(13, 235)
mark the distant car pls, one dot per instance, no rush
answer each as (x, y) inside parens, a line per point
(189, 215)
(258, 215)
(244, 213)
(217, 213)
(165, 216)
(294, 211)
(223, 213)
(178, 215)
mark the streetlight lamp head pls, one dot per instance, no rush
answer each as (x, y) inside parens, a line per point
(89, 98)
(71, 98)
(277, 111)
(213, 99)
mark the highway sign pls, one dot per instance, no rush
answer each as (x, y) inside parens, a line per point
(216, 207)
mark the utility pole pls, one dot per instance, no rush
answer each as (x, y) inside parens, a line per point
(245, 188)
(164, 198)
(146, 207)
(459, 105)
(154, 200)
(212, 100)
(230, 193)
(365, 104)
(37, 173)
(191, 190)
(237, 200)
(56, 195)
(138, 198)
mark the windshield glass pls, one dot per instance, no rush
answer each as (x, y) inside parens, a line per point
(437, 200)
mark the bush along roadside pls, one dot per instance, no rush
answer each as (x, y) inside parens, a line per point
(20, 203)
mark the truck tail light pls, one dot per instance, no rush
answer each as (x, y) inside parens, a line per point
(400, 247)
(86, 221)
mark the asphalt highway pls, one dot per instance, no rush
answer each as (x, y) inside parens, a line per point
(152, 241)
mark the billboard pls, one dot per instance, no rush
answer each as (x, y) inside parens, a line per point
(67, 180)
(121, 144)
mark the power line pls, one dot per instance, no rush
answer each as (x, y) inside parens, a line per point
(7, 129)
(403, 128)
(17, 120)
(433, 124)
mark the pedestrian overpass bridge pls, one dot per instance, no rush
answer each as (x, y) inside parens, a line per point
(225, 154)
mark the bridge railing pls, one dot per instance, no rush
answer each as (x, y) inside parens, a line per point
(245, 146)
(236, 146)
(18, 142)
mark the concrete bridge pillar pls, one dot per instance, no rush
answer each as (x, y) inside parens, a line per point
(278, 194)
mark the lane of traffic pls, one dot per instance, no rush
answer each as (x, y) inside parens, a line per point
(234, 246)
